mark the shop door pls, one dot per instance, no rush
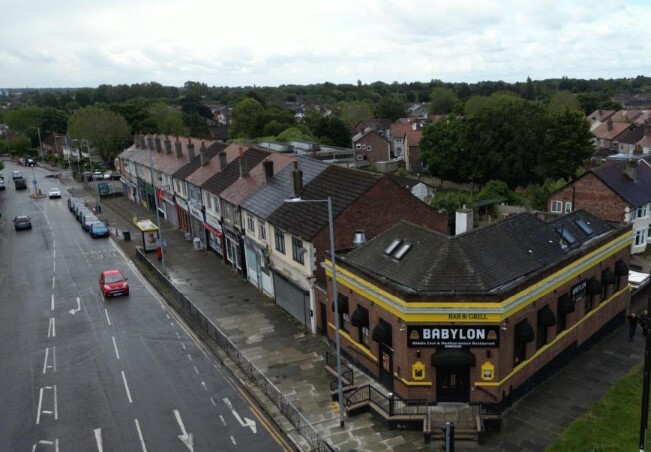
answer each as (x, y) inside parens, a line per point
(386, 366)
(453, 384)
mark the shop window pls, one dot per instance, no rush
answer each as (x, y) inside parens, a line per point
(280, 240)
(522, 335)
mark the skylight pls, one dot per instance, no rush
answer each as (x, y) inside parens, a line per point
(585, 227)
(391, 248)
(566, 235)
(406, 246)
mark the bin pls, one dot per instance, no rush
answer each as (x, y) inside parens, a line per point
(127, 235)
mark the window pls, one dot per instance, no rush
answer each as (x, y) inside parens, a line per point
(557, 206)
(584, 226)
(209, 202)
(250, 223)
(262, 230)
(368, 148)
(363, 336)
(642, 212)
(360, 157)
(568, 207)
(358, 146)
(298, 251)
(640, 237)
(280, 240)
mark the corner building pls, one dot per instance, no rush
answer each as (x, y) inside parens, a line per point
(480, 317)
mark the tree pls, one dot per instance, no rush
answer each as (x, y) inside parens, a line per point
(353, 112)
(442, 101)
(106, 131)
(390, 107)
(167, 122)
(53, 120)
(21, 119)
(332, 131)
(562, 100)
(196, 125)
(247, 119)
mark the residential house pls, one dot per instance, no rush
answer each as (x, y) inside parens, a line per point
(381, 126)
(626, 116)
(607, 135)
(480, 317)
(618, 192)
(627, 142)
(598, 117)
(418, 110)
(416, 187)
(398, 135)
(412, 152)
(371, 147)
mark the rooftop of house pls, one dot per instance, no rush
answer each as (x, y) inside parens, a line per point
(610, 129)
(193, 165)
(214, 165)
(490, 260)
(630, 180)
(232, 172)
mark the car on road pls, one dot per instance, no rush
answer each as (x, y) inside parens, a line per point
(22, 222)
(97, 175)
(31, 162)
(20, 184)
(2, 182)
(16, 175)
(54, 192)
(98, 230)
(113, 283)
(87, 220)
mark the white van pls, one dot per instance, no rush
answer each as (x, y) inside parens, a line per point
(2, 182)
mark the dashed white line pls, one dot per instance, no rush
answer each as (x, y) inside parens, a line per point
(168, 316)
(183, 346)
(38, 410)
(53, 280)
(108, 319)
(98, 439)
(178, 335)
(189, 357)
(196, 370)
(54, 359)
(221, 418)
(126, 387)
(203, 384)
(213, 402)
(56, 404)
(233, 440)
(115, 347)
(142, 440)
(172, 324)
(51, 329)
(52, 300)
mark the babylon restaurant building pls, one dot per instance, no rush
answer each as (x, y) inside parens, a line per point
(484, 315)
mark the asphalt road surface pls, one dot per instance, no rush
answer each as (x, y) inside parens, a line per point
(80, 373)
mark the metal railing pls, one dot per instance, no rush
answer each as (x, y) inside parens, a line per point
(391, 405)
(302, 425)
(347, 374)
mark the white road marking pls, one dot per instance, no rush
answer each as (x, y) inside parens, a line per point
(126, 387)
(38, 410)
(54, 360)
(203, 383)
(53, 279)
(142, 440)
(51, 329)
(178, 335)
(172, 323)
(98, 439)
(52, 300)
(244, 423)
(73, 311)
(183, 346)
(221, 418)
(168, 316)
(54, 265)
(213, 402)
(47, 443)
(40, 404)
(115, 347)
(47, 351)
(233, 440)
(108, 319)
(196, 370)
(189, 357)
(185, 437)
(56, 404)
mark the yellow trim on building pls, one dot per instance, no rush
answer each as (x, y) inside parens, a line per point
(354, 343)
(412, 383)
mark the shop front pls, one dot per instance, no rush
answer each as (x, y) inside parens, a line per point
(257, 266)
(196, 221)
(183, 215)
(214, 234)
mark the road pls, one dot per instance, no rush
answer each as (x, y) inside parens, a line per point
(82, 373)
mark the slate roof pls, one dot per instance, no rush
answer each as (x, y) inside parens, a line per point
(305, 220)
(223, 179)
(609, 129)
(272, 195)
(205, 172)
(195, 164)
(632, 136)
(483, 261)
(635, 192)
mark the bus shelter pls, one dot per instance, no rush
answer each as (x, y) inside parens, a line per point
(150, 234)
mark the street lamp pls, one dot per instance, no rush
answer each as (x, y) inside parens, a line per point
(160, 231)
(340, 389)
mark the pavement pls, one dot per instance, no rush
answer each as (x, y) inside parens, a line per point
(294, 360)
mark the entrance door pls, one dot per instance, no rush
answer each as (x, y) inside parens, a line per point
(324, 319)
(452, 383)
(386, 366)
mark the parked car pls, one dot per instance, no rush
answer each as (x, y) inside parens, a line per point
(97, 175)
(83, 211)
(2, 182)
(54, 192)
(113, 283)
(20, 184)
(22, 222)
(87, 220)
(16, 175)
(31, 162)
(98, 229)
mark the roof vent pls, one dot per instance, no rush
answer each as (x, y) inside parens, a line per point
(359, 238)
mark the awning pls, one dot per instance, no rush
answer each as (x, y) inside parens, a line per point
(621, 269)
(382, 332)
(453, 357)
(608, 277)
(524, 332)
(342, 304)
(565, 304)
(546, 317)
(212, 229)
(594, 286)
(360, 317)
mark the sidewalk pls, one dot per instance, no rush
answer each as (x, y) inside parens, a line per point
(294, 359)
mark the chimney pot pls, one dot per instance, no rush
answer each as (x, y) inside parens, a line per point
(191, 154)
(150, 142)
(202, 154)
(243, 169)
(157, 143)
(268, 170)
(359, 238)
(297, 180)
(168, 145)
(222, 160)
(179, 148)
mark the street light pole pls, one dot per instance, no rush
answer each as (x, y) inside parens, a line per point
(160, 231)
(335, 294)
(40, 144)
(644, 417)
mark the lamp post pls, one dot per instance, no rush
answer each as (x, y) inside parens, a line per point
(644, 417)
(160, 231)
(340, 389)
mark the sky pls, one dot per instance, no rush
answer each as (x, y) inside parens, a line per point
(86, 43)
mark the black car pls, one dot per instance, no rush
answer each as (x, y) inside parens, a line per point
(20, 184)
(22, 222)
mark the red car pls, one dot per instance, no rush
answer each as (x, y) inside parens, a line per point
(113, 283)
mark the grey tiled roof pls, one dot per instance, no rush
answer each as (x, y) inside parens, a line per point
(305, 220)
(268, 198)
(194, 164)
(635, 192)
(223, 179)
(482, 261)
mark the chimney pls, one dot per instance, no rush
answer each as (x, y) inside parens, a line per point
(143, 143)
(297, 180)
(136, 140)
(359, 238)
(268, 170)
(222, 160)
(178, 147)
(168, 145)
(463, 220)
(202, 154)
(150, 142)
(630, 169)
(243, 169)
(609, 124)
(190, 149)
(157, 143)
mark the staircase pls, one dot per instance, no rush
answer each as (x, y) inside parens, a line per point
(466, 418)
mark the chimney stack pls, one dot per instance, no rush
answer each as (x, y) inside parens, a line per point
(268, 170)
(609, 124)
(150, 142)
(157, 143)
(297, 180)
(630, 169)
(178, 147)
(168, 145)
(222, 160)
(136, 140)
(202, 154)
(190, 149)
(243, 169)
(359, 238)
(463, 220)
